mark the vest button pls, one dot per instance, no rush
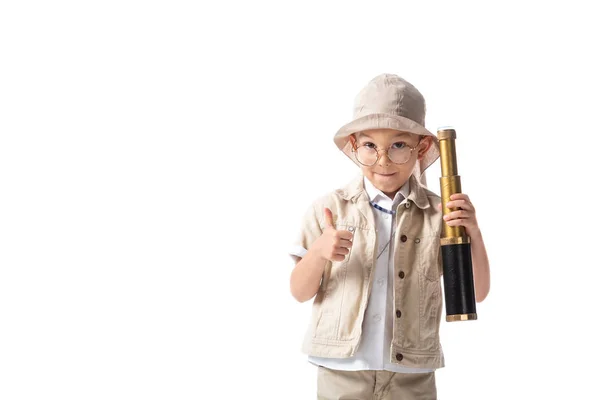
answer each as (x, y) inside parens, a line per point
(399, 357)
(398, 313)
(403, 238)
(401, 274)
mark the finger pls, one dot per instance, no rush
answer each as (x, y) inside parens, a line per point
(341, 251)
(344, 234)
(337, 253)
(459, 222)
(454, 222)
(344, 243)
(465, 205)
(328, 218)
(440, 206)
(459, 196)
(337, 258)
(468, 224)
(457, 214)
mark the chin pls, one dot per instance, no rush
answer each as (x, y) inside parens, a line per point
(390, 183)
(387, 186)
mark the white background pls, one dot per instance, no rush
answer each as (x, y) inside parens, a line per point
(156, 158)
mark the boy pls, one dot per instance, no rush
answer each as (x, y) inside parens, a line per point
(370, 252)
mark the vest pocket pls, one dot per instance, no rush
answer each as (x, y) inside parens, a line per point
(431, 306)
(428, 250)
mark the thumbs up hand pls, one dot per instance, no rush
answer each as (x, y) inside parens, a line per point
(333, 245)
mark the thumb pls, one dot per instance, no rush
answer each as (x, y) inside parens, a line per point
(328, 218)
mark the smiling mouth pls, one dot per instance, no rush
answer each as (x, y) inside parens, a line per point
(385, 174)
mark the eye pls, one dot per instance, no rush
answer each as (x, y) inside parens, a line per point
(369, 145)
(399, 145)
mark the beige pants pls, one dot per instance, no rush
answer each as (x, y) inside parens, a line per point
(374, 385)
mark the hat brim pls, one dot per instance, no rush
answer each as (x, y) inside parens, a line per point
(386, 121)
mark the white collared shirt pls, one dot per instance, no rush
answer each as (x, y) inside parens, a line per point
(373, 352)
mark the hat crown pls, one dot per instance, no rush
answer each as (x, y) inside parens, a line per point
(393, 95)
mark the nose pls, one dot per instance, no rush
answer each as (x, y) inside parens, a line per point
(383, 159)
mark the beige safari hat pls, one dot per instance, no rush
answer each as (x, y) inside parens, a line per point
(388, 101)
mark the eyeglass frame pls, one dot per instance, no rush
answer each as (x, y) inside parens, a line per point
(355, 151)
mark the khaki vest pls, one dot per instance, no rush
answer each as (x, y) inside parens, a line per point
(339, 306)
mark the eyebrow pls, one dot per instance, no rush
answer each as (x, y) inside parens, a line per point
(401, 134)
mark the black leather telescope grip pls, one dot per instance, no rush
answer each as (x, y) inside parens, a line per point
(458, 279)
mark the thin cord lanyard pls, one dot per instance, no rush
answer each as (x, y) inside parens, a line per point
(392, 213)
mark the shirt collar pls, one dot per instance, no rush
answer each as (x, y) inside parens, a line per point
(355, 191)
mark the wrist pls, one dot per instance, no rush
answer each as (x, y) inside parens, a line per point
(315, 254)
(475, 233)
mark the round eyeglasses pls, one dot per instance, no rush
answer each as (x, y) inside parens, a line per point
(368, 156)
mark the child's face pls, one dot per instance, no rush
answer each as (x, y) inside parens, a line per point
(384, 174)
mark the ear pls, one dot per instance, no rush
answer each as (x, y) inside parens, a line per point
(353, 141)
(424, 146)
